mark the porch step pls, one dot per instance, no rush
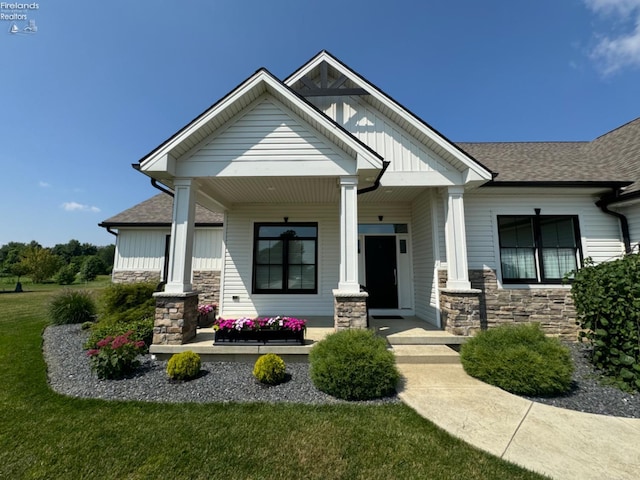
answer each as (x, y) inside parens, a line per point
(425, 354)
(426, 337)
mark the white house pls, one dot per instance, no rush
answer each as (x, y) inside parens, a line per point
(310, 187)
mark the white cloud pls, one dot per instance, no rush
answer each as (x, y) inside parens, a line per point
(44, 184)
(78, 207)
(616, 52)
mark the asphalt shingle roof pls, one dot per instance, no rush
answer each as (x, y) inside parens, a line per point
(158, 210)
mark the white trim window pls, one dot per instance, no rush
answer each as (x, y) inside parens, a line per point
(538, 248)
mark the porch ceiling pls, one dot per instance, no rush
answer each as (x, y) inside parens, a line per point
(236, 190)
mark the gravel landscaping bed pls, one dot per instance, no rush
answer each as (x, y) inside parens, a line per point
(588, 394)
(70, 374)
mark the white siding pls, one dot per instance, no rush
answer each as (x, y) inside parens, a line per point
(382, 134)
(140, 249)
(633, 217)
(239, 260)
(601, 238)
(143, 249)
(271, 135)
(423, 259)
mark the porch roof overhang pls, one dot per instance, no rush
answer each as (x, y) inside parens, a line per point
(471, 171)
(163, 162)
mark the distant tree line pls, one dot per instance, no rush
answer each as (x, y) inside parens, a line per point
(63, 263)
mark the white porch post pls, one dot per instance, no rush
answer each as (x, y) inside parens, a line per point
(182, 231)
(348, 281)
(456, 241)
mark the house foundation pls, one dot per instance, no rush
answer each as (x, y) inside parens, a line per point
(551, 307)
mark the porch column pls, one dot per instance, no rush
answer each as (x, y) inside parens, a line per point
(350, 305)
(181, 244)
(456, 241)
(349, 235)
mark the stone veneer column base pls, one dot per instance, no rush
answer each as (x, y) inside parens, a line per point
(460, 311)
(176, 318)
(350, 310)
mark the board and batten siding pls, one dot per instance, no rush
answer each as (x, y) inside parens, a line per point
(601, 237)
(381, 134)
(143, 249)
(269, 133)
(238, 265)
(425, 292)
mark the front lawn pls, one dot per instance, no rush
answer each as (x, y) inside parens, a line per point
(48, 436)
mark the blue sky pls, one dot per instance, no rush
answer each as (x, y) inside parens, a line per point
(100, 84)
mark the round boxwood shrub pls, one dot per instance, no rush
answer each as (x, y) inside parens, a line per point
(519, 359)
(184, 366)
(353, 365)
(269, 369)
(72, 306)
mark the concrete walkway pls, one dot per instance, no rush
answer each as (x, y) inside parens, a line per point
(560, 443)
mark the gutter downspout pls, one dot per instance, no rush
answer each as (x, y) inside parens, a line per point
(376, 184)
(603, 204)
(115, 234)
(154, 182)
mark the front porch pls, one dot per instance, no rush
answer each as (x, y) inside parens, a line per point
(412, 340)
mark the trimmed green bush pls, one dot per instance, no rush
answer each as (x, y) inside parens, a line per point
(140, 330)
(519, 359)
(270, 369)
(184, 366)
(72, 306)
(127, 302)
(607, 301)
(353, 365)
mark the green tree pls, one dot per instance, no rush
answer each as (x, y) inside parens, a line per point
(11, 254)
(107, 254)
(91, 268)
(40, 263)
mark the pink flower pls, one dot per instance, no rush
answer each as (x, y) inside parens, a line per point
(93, 352)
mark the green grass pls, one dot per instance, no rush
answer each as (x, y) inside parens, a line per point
(44, 435)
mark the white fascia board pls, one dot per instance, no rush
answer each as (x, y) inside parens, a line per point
(382, 98)
(421, 179)
(161, 163)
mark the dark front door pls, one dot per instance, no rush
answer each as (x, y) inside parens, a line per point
(381, 271)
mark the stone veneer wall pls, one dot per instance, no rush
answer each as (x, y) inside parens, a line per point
(135, 276)
(207, 282)
(460, 311)
(176, 318)
(551, 307)
(350, 310)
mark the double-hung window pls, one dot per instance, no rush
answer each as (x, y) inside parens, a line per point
(285, 258)
(538, 248)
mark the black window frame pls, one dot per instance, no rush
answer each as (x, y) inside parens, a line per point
(538, 247)
(285, 255)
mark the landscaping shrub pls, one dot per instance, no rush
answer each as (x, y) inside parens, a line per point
(353, 365)
(519, 359)
(115, 357)
(184, 366)
(140, 330)
(124, 303)
(269, 369)
(72, 306)
(607, 301)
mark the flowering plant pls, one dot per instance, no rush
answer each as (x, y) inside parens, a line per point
(206, 308)
(261, 323)
(115, 357)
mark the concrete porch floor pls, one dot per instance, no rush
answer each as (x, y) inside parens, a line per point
(403, 333)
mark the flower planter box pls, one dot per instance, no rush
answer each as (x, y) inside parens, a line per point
(259, 336)
(206, 320)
